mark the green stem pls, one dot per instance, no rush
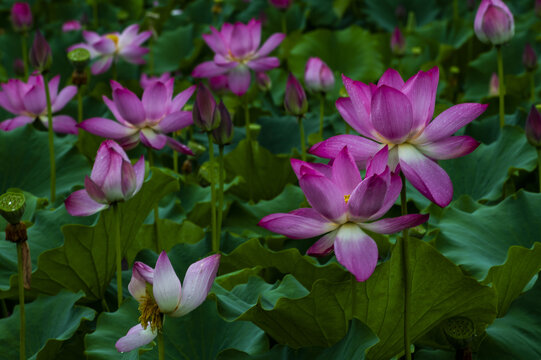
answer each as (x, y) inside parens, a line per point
(151, 55)
(303, 145)
(79, 104)
(502, 86)
(539, 166)
(247, 121)
(220, 191)
(175, 156)
(25, 54)
(405, 269)
(215, 241)
(249, 154)
(161, 346)
(455, 10)
(22, 345)
(321, 114)
(118, 252)
(95, 13)
(113, 70)
(532, 86)
(51, 139)
(284, 22)
(159, 245)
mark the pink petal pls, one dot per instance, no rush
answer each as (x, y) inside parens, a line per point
(136, 337)
(241, 43)
(166, 287)
(152, 139)
(129, 106)
(324, 246)
(368, 197)
(272, 42)
(394, 186)
(197, 283)
(129, 181)
(16, 122)
(34, 100)
(356, 251)
(263, 64)
(80, 204)
(357, 117)
(255, 32)
(106, 128)
(91, 37)
(182, 98)
(175, 121)
(391, 78)
(155, 101)
(360, 148)
(215, 42)
(450, 148)
(393, 225)
(345, 173)
(105, 45)
(208, 69)
(64, 97)
(101, 65)
(62, 124)
(302, 224)
(53, 88)
(178, 146)
(112, 182)
(425, 175)
(421, 91)
(112, 107)
(378, 163)
(238, 80)
(6, 104)
(391, 114)
(139, 169)
(134, 54)
(324, 197)
(141, 275)
(94, 191)
(297, 166)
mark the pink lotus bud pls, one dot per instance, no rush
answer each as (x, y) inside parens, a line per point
(40, 53)
(18, 67)
(295, 101)
(263, 81)
(223, 134)
(494, 85)
(21, 16)
(318, 76)
(494, 22)
(398, 42)
(281, 4)
(218, 83)
(529, 58)
(533, 127)
(71, 25)
(204, 111)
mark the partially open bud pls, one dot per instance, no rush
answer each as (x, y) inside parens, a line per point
(398, 42)
(21, 16)
(529, 58)
(223, 134)
(12, 206)
(263, 81)
(494, 85)
(494, 22)
(204, 111)
(295, 101)
(40, 53)
(318, 77)
(533, 127)
(18, 67)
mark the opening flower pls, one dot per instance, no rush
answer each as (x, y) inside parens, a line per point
(113, 179)
(318, 77)
(107, 48)
(146, 120)
(343, 206)
(28, 102)
(159, 292)
(398, 115)
(237, 52)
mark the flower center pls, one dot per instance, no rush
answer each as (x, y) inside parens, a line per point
(346, 198)
(242, 60)
(150, 313)
(113, 37)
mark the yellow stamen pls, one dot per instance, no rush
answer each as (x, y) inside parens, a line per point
(346, 198)
(113, 37)
(150, 314)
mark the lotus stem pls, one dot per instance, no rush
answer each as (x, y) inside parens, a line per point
(161, 346)
(175, 157)
(79, 105)
(51, 139)
(321, 115)
(215, 241)
(249, 153)
(159, 245)
(532, 86)
(113, 70)
(455, 10)
(95, 14)
(116, 225)
(220, 192)
(22, 341)
(501, 86)
(405, 269)
(25, 54)
(247, 121)
(539, 166)
(303, 145)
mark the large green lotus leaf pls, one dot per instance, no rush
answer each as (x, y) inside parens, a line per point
(26, 162)
(50, 320)
(353, 346)
(352, 52)
(201, 334)
(171, 47)
(86, 261)
(254, 163)
(383, 12)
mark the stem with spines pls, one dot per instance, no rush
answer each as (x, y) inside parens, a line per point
(22, 333)
(161, 346)
(118, 252)
(405, 269)
(220, 192)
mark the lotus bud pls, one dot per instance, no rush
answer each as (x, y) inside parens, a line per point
(18, 67)
(318, 77)
(21, 16)
(223, 134)
(494, 22)
(40, 53)
(529, 58)
(295, 101)
(263, 81)
(398, 42)
(533, 127)
(281, 4)
(204, 111)
(218, 83)
(494, 85)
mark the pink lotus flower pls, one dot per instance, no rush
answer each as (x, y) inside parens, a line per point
(295, 101)
(318, 77)
(71, 25)
(113, 179)
(21, 16)
(343, 205)
(494, 22)
(237, 51)
(147, 81)
(167, 295)
(108, 48)
(398, 115)
(147, 120)
(27, 101)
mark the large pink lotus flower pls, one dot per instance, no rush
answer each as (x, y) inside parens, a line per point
(237, 51)
(159, 292)
(107, 48)
(147, 120)
(113, 179)
(28, 102)
(343, 205)
(398, 115)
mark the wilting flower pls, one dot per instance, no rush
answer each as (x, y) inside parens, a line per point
(237, 51)
(343, 206)
(28, 102)
(295, 101)
(318, 77)
(533, 127)
(107, 48)
(205, 113)
(529, 58)
(398, 115)
(21, 16)
(494, 22)
(147, 81)
(146, 120)
(494, 85)
(40, 53)
(113, 179)
(281, 4)
(159, 292)
(71, 25)
(398, 42)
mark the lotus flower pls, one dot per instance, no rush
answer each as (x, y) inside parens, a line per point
(147, 81)
(343, 206)
(147, 120)
(295, 101)
(113, 179)
(27, 101)
(107, 48)
(71, 25)
(494, 22)
(159, 292)
(237, 51)
(398, 115)
(318, 77)
(21, 16)
(40, 55)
